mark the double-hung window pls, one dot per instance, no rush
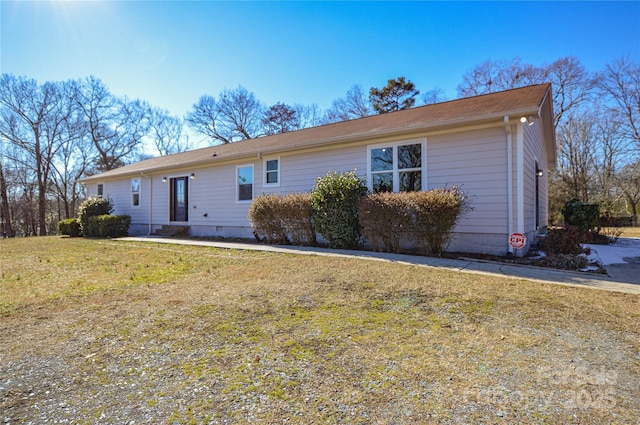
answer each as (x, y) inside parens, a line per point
(244, 188)
(135, 192)
(396, 167)
(272, 172)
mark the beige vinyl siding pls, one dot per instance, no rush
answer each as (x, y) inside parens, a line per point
(475, 162)
(534, 150)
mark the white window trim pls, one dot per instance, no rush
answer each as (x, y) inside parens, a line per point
(264, 168)
(395, 171)
(253, 184)
(139, 192)
(97, 194)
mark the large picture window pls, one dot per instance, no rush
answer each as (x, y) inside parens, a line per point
(245, 182)
(396, 167)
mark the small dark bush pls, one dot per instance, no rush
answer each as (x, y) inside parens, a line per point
(564, 261)
(70, 227)
(106, 225)
(335, 208)
(92, 207)
(563, 241)
(585, 217)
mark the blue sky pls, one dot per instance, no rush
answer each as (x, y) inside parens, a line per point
(172, 52)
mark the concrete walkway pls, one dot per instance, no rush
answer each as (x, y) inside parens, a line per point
(489, 268)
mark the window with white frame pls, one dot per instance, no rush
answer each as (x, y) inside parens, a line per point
(135, 192)
(245, 182)
(396, 167)
(272, 172)
(100, 190)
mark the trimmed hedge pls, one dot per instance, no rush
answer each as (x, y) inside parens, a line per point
(70, 227)
(427, 218)
(283, 219)
(108, 226)
(91, 207)
(384, 218)
(335, 208)
(436, 213)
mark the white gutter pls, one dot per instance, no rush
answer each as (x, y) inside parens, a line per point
(507, 128)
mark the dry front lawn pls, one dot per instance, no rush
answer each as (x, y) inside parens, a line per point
(96, 331)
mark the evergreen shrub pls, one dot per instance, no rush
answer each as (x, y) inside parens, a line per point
(108, 226)
(585, 217)
(91, 207)
(335, 208)
(70, 227)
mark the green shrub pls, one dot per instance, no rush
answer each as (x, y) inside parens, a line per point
(70, 227)
(384, 218)
(91, 207)
(563, 241)
(108, 226)
(335, 208)
(435, 215)
(585, 217)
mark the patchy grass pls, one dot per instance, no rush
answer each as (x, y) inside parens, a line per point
(630, 232)
(120, 331)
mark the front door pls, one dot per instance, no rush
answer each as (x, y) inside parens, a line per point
(179, 210)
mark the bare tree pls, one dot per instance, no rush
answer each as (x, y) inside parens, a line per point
(355, 104)
(572, 84)
(236, 115)
(432, 96)
(35, 118)
(166, 133)
(280, 118)
(308, 115)
(575, 154)
(5, 211)
(117, 126)
(620, 83)
(611, 152)
(629, 184)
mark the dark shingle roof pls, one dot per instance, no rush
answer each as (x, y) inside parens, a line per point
(493, 106)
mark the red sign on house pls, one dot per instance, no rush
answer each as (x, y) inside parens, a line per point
(517, 240)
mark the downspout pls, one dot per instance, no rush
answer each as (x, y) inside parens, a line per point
(520, 177)
(507, 128)
(150, 198)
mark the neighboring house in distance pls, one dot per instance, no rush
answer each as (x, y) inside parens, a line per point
(497, 148)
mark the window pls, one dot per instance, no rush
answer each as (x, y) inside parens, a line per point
(272, 172)
(135, 192)
(100, 190)
(245, 182)
(396, 168)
